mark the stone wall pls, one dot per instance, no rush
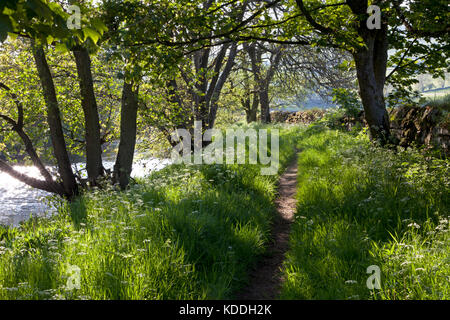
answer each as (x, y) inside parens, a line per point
(305, 117)
(422, 126)
(427, 126)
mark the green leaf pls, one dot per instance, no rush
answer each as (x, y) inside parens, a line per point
(99, 25)
(61, 47)
(90, 33)
(40, 8)
(5, 27)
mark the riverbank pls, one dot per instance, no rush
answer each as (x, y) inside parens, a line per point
(185, 232)
(20, 201)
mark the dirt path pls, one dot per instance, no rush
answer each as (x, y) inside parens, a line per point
(266, 279)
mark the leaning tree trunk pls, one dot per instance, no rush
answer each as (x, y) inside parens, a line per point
(128, 117)
(54, 122)
(219, 84)
(94, 163)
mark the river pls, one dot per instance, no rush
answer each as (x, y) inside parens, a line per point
(18, 201)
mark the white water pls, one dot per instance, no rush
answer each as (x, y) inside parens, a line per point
(18, 201)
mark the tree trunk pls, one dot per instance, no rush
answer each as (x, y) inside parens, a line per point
(33, 182)
(201, 59)
(262, 79)
(124, 161)
(371, 72)
(218, 86)
(251, 107)
(264, 101)
(54, 122)
(371, 63)
(94, 163)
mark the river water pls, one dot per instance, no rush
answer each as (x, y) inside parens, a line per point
(18, 201)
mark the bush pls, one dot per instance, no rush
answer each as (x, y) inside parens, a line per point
(347, 101)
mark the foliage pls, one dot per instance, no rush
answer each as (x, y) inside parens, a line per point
(21, 76)
(46, 22)
(403, 96)
(347, 100)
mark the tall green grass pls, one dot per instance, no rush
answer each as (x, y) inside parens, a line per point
(360, 205)
(186, 232)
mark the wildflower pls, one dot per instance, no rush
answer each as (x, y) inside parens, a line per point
(414, 225)
(420, 269)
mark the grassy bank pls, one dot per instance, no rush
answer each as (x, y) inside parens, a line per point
(360, 206)
(186, 232)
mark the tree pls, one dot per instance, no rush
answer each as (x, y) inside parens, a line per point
(128, 125)
(54, 121)
(94, 162)
(183, 59)
(45, 23)
(344, 25)
(264, 72)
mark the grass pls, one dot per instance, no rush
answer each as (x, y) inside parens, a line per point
(360, 205)
(436, 94)
(186, 232)
(193, 232)
(442, 102)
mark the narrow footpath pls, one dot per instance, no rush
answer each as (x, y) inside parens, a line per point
(266, 279)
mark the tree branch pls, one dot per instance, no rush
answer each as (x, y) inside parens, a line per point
(311, 20)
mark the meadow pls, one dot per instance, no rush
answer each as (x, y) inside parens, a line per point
(196, 231)
(185, 232)
(360, 205)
